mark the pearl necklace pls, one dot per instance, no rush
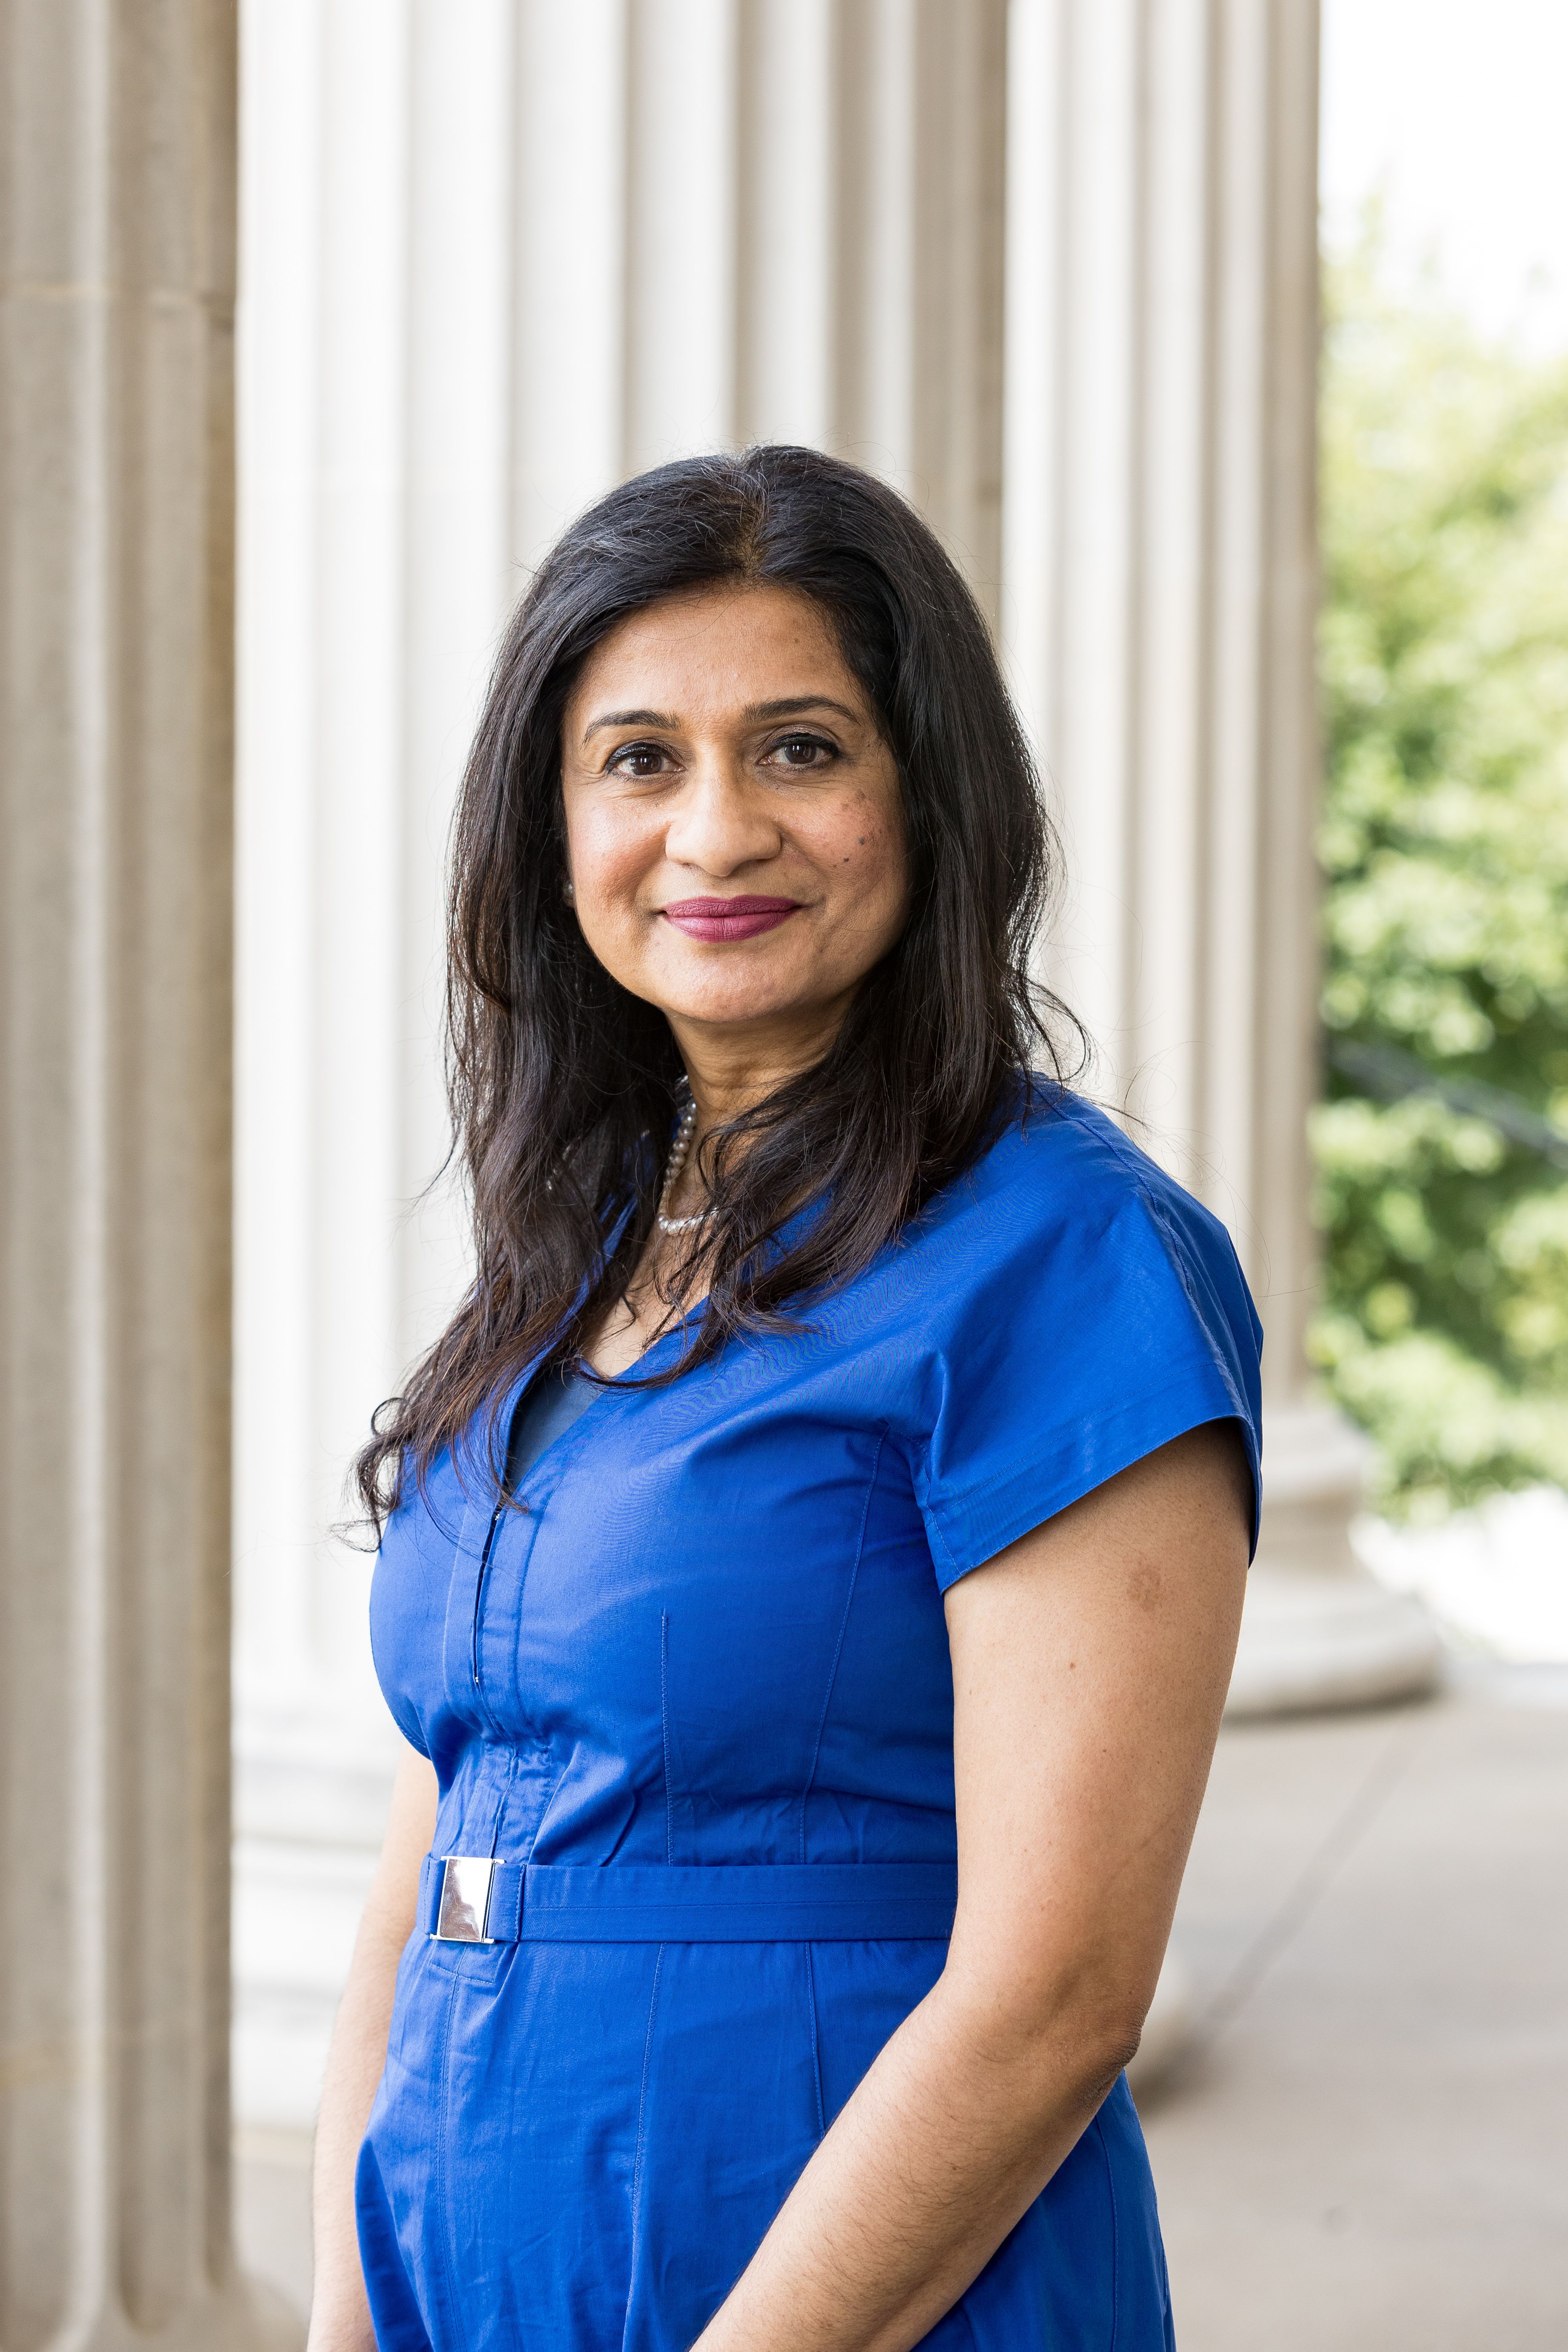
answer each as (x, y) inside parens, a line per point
(679, 1152)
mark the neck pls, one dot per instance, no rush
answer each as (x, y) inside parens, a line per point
(729, 1073)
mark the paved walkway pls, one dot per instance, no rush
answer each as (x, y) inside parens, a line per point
(1367, 2148)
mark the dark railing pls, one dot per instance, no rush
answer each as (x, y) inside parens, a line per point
(1385, 1071)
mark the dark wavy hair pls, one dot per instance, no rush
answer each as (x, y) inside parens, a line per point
(563, 1085)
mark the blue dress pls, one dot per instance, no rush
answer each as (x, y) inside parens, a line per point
(691, 1711)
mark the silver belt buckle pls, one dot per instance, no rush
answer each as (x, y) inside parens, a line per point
(466, 1882)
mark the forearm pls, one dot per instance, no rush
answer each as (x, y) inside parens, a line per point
(944, 2144)
(340, 2314)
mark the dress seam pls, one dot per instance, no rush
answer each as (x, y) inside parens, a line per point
(502, 1795)
(443, 2203)
(638, 2161)
(544, 1811)
(815, 2049)
(1115, 2250)
(664, 1733)
(843, 1630)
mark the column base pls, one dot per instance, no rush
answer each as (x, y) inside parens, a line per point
(1312, 1641)
(1316, 1631)
(246, 2316)
(1168, 2027)
(270, 2321)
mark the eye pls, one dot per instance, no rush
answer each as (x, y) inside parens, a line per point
(802, 751)
(638, 761)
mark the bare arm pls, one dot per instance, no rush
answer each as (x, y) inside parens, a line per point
(339, 2316)
(1090, 1663)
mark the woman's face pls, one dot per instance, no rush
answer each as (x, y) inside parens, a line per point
(734, 835)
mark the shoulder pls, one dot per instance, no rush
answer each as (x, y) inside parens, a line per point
(1054, 1146)
(1067, 1243)
(1079, 1310)
(1059, 1178)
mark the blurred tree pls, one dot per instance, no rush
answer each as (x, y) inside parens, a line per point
(1442, 1149)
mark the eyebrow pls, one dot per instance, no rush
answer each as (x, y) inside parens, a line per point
(793, 705)
(628, 718)
(789, 707)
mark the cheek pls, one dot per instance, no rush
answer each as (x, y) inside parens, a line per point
(609, 853)
(868, 848)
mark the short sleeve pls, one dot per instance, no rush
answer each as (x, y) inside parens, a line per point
(1090, 1311)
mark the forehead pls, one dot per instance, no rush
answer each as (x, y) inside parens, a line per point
(718, 648)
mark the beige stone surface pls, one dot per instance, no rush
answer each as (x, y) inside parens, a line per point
(272, 2210)
(117, 217)
(1365, 2149)
(1159, 577)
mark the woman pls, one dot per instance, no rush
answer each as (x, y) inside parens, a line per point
(812, 1559)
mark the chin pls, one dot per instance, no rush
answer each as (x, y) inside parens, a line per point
(728, 992)
(730, 1008)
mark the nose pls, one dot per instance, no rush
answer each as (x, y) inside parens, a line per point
(721, 822)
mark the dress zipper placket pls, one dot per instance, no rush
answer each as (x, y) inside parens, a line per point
(489, 1546)
(479, 1596)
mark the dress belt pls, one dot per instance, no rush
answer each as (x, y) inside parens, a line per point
(474, 1899)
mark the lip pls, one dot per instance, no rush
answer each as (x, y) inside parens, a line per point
(719, 920)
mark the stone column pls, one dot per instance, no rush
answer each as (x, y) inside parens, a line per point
(1159, 604)
(495, 258)
(117, 231)
(793, 232)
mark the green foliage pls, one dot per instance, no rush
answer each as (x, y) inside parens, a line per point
(1445, 840)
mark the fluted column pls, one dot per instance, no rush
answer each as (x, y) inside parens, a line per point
(496, 257)
(1159, 604)
(792, 231)
(116, 234)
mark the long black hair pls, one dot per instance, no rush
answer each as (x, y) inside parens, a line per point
(563, 1085)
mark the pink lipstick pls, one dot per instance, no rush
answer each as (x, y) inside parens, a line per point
(720, 919)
